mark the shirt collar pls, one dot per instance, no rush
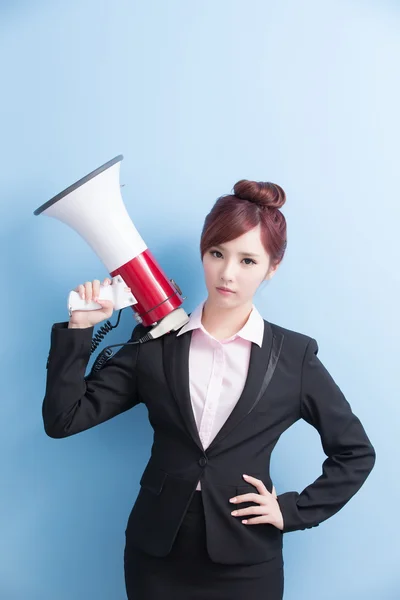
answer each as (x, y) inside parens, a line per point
(252, 330)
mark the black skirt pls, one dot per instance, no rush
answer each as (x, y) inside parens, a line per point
(187, 572)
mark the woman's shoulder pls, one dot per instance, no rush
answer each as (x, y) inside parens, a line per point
(291, 336)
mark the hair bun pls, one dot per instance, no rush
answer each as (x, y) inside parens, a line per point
(263, 193)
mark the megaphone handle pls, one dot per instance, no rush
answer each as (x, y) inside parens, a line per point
(115, 292)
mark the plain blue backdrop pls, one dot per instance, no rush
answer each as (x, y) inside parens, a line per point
(197, 95)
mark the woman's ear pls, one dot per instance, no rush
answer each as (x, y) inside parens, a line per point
(271, 272)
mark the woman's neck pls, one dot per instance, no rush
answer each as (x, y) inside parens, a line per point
(224, 323)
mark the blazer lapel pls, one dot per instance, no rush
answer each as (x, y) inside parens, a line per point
(262, 365)
(176, 369)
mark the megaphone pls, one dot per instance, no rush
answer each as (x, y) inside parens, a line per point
(93, 206)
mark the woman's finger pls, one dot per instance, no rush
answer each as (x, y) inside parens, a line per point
(257, 484)
(249, 498)
(257, 520)
(81, 291)
(107, 304)
(96, 289)
(88, 291)
(260, 509)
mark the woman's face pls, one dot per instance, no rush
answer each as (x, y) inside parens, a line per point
(240, 265)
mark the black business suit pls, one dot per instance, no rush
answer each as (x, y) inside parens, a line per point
(285, 382)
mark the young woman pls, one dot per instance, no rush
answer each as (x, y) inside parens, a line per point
(207, 522)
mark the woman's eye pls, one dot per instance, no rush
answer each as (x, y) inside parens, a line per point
(213, 252)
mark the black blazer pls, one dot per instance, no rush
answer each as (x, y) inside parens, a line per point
(285, 382)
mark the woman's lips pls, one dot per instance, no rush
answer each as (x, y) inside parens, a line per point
(224, 292)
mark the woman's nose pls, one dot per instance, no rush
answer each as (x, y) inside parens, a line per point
(227, 275)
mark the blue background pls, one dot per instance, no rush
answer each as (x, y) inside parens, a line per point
(197, 95)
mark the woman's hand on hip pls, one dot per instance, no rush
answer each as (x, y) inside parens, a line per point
(268, 510)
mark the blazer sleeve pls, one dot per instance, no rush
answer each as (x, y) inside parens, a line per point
(350, 454)
(74, 402)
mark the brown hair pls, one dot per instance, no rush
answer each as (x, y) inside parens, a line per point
(252, 203)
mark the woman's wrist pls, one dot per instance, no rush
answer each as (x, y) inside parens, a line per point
(80, 326)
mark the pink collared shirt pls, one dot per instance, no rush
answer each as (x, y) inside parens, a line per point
(218, 371)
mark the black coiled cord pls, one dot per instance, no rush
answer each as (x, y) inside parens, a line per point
(102, 332)
(107, 353)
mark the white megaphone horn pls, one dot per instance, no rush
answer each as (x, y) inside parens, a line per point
(93, 206)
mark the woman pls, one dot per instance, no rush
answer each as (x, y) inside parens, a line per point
(207, 523)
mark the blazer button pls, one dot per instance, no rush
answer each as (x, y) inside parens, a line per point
(203, 461)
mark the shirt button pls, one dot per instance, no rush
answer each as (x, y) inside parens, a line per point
(203, 461)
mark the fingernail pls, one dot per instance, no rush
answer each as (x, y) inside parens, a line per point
(234, 512)
(244, 521)
(245, 475)
(232, 500)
